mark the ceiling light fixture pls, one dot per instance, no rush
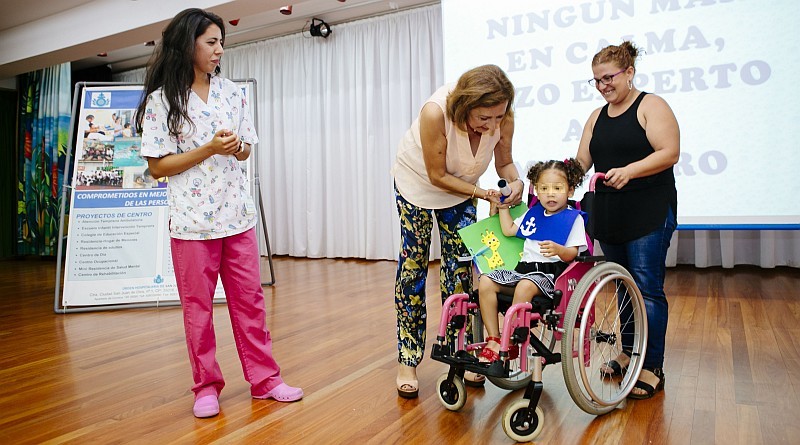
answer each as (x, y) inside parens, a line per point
(102, 54)
(319, 28)
(234, 22)
(286, 10)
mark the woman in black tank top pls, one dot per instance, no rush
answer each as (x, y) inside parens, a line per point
(634, 139)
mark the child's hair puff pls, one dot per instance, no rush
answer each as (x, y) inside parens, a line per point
(570, 167)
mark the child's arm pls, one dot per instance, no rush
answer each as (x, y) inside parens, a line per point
(566, 254)
(492, 203)
(506, 221)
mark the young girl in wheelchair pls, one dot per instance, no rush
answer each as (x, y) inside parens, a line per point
(554, 234)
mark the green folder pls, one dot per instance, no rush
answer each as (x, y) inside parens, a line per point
(493, 250)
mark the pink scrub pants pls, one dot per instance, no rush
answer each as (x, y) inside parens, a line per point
(236, 259)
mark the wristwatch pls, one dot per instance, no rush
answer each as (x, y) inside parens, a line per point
(241, 147)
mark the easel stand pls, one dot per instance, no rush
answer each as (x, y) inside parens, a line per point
(266, 233)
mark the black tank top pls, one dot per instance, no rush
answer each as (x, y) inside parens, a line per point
(641, 206)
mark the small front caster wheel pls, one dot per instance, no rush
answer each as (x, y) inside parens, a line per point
(451, 393)
(522, 424)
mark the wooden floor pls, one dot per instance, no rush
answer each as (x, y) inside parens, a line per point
(732, 367)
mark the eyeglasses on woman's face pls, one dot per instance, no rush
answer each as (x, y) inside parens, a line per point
(605, 80)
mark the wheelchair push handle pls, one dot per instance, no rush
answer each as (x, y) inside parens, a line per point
(596, 177)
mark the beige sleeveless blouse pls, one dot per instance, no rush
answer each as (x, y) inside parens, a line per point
(410, 175)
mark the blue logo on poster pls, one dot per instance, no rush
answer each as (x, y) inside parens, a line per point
(158, 279)
(101, 100)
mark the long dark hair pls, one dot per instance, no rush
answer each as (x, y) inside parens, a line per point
(172, 65)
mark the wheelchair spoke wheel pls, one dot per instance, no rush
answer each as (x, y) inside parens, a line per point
(452, 393)
(605, 315)
(518, 379)
(477, 327)
(521, 423)
(545, 335)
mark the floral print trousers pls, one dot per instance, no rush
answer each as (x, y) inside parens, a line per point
(416, 225)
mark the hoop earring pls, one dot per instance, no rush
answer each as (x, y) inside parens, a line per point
(630, 85)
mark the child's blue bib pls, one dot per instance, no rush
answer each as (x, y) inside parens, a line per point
(536, 226)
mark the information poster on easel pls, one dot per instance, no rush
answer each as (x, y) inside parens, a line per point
(118, 245)
(117, 250)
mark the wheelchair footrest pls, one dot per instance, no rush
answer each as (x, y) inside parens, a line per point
(442, 353)
(551, 359)
(468, 362)
(494, 369)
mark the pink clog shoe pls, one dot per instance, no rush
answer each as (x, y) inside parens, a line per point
(206, 406)
(283, 393)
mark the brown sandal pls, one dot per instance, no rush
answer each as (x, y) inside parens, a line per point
(407, 388)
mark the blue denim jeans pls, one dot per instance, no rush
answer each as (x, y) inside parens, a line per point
(645, 258)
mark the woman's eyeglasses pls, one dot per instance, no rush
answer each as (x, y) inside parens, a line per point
(605, 80)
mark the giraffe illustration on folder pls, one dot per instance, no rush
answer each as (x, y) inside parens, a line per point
(489, 247)
(490, 240)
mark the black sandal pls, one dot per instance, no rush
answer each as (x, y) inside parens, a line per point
(617, 369)
(649, 390)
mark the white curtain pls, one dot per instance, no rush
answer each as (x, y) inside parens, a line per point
(330, 114)
(132, 76)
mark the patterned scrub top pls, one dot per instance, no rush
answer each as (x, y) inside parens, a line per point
(212, 199)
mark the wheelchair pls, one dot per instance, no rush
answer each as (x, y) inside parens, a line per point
(595, 304)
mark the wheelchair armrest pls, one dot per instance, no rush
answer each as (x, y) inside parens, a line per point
(589, 258)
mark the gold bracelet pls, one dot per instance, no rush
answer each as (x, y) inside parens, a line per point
(474, 189)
